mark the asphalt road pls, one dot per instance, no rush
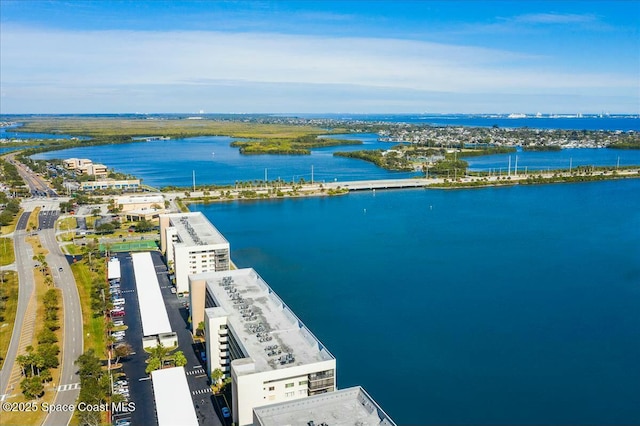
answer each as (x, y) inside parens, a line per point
(72, 341)
(24, 266)
(37, 185)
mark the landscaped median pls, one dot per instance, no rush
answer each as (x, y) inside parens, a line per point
(40, 364)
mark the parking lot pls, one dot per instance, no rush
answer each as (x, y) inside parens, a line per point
(139, 383)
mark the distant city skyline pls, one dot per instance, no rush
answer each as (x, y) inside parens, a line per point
(319, 57)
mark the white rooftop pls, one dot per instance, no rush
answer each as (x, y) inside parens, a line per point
(113, 269)
(195, 229)
(146, 198)
(346, 407)
(174, 405)
(255, 313)
(152, 310)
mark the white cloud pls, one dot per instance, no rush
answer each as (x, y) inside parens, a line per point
(555, 18)
(101, 60)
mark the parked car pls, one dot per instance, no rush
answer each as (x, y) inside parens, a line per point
(226, 413)
(117, 313)
(118, 323)
(173, 290)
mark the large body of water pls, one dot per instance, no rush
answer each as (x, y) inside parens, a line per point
(511, 305)
(567, 122)
(165, 163)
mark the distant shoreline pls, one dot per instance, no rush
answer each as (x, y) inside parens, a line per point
(335, 189)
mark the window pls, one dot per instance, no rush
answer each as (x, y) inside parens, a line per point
(302, 383)
(288, 385)
(302, 392)
(289, 394)
(271, 388)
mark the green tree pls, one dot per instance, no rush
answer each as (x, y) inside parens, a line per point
(179, 359)
(49, 354)
(152, 365)
(200, 329)
(144, 226)
(32, 387)
(47, 336)
(217, 375)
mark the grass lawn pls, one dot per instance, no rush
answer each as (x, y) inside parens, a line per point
(10, 283)
(93, 326)
(7, 229)
(7, 256)
(68, 223)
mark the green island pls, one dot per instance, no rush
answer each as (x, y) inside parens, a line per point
(291, 146)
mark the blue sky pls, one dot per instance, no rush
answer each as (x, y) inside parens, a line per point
(319, 56)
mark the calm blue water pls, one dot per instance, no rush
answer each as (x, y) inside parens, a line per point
(164, 163)
(566, 158)
(9, 149)
(8, 133)
(486, 306)
(588, 122)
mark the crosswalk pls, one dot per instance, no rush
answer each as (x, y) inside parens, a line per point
(196, 372)
(201, 391)
(72, 386)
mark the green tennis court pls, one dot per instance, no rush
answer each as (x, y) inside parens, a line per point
(144, 245)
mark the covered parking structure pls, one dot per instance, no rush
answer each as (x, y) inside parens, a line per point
(153, 312)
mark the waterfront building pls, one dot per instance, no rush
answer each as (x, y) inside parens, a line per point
(84, 166)
(254, 338)
(139, 207)
(192, 245)
(129, 184)
(76, 163)
(345, 407)
(93, 169)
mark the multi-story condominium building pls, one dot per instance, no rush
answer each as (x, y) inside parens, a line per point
(254, 338)
(345, 407)
(93, 169)
(192, 245)
(76, 163)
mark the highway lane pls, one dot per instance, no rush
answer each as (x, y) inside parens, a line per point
(24, 266)
(37, 185)
(73, 345)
